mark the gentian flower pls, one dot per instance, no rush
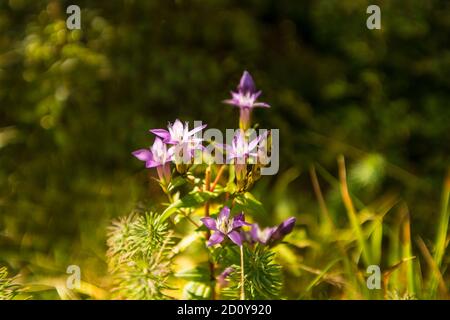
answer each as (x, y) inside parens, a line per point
(246, 99)
(224, 226)
(185, 142)
(269, 236)
(241, 153)
(177, 132)
(241, 150)
(157, 156)
(222, 278)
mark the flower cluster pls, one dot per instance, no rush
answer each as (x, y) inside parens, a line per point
(247, 153)
(231, 227)
(178, 145)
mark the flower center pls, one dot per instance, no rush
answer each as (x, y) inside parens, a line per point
(177, 134)
(225, 225)
(246, 100)
(159, 155)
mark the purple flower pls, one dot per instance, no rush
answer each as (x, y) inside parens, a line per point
(224, 226)
(157, 156)
(246, 99)
(222, 278)
(185, 142)
(240, 149)
(273, 234)
(241, 152)
(177, 132)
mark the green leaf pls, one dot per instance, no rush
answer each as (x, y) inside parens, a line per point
(175, 183)
(196, 291)
(198, 274)
(192, 199)
(248, 203)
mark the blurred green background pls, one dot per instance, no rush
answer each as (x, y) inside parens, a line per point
(75, 104)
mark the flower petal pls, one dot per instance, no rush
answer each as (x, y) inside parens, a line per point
(177, 126)
(143, 154)
(267, 235)
(162, 133)
(247, 84)
(216, 238)
(209, 222)
(287, 225)
(283, 229)
(261, 105)
(235, 237)
(158, 145)
(197, 129)
(239, 221)
(151, 164)
(231, 102)
(224, 213)
(252, 145)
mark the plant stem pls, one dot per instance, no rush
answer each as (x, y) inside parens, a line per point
(191, 220)
(441, 237)
(242, 273)
(406, 250)
(186, 215)
(207, 186)
(169, 196)
(443, 222)
(208, 233)
(351, 212)
(216, 180)
(325, 214)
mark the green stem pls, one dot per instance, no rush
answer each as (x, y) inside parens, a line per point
(351, 212)
(208, 234)
(216, 180)
(242, 273)
(169, 196)
(441, 237)
(186, 214)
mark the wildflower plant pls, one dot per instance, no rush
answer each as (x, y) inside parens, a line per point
(215, 199)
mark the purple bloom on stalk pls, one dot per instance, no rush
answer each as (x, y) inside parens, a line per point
(273, 234)
(224, 226)
(157, 156)
(177, 133)
(241, 150)
(246, 99)
(184, 141)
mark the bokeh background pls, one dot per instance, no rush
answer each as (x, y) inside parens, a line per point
(75, 104)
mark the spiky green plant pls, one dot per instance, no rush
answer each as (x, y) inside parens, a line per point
(8, 288)
(139, 256)
(263, 276)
